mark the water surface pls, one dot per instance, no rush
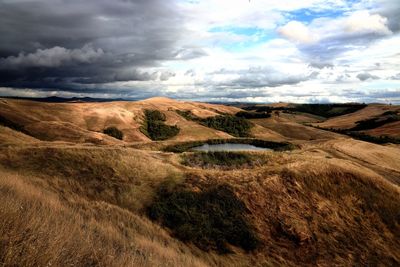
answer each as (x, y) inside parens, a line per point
(230, 147)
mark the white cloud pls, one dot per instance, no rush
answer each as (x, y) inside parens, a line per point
(363, 22)
(298, 32)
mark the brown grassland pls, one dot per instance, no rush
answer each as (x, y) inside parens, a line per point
(73, 196)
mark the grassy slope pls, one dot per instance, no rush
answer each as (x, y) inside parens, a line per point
(84, 122)
(287, 127)
(390, 129)
(85, 206)
(309, 208)
(349, 120)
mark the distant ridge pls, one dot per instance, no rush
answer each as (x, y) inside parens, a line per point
(56, 99)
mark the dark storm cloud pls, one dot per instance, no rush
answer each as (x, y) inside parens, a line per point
(61, 44)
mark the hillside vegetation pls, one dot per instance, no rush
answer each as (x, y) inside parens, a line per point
(155, 128)
(222, 159)
(236, 126)
(211, 219)
(323, 110)
(114, 132)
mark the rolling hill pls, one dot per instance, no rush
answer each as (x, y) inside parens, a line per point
(71, 195)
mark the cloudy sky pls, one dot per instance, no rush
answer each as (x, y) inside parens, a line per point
(208, 50)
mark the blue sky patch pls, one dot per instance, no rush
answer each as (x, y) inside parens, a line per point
(308, 15)
(255, 36)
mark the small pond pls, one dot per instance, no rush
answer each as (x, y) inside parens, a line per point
(229, 147)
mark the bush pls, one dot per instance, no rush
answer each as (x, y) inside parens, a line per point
(114, 132)
(155, 128)
(219, 159)
(210, 219)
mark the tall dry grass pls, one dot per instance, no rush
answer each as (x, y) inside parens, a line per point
(37, 229)
(84, 206)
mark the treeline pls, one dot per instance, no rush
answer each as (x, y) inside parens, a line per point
(236, 126)
(383, 139)
(387, 117)
(155, 128)
(329, 110)
(323, 110)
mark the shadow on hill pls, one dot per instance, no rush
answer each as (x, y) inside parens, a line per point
(211, 218)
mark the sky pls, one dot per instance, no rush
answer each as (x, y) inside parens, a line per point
(311, 51)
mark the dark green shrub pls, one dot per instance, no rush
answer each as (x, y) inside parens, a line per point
(188, 115)
(155, 128)
(154, 115)
(235, 126)
(219, 159)
(160, 131)
(114, 132)
(210, 219)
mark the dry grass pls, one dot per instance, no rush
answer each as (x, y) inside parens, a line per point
(292, 130)
(84, 122)
(84, 206)
(349, 120)
(312, 211)
(37, 229)
(328, 203)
